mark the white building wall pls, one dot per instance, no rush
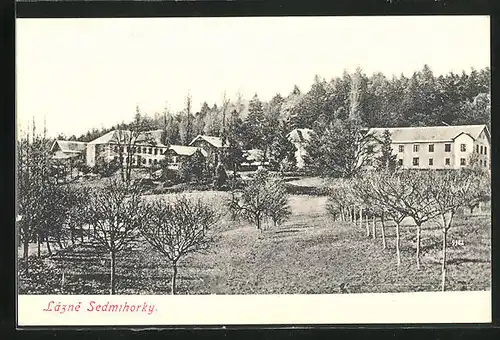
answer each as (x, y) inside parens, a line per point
(461, 154)
(482, 148)
(425, 153)
(439, 155)
(90, 155)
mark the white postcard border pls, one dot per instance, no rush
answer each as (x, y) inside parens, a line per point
(184, 310)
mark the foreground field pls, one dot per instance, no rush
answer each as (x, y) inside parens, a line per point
(308, 254)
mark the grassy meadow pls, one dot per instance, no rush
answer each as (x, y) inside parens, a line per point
(308, 254)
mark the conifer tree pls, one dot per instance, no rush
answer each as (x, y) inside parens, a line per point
(386, 160)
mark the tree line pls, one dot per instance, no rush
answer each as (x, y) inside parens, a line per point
(422, 99)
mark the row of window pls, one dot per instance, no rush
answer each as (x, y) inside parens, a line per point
(463, 162)
(447, 148)
(481, 150)
(140, 149)
(144, 161)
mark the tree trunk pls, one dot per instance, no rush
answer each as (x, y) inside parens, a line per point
(443, 268)
(418, 246)
(398, 253)
(367, 226)
(72, 233)
(112, 272)
(174, 278)
(38, 241)
(479, 208)
(82, 232)
(48, 245)
(374, 230)
(25, 255)
(122, 170)
(59, 243)
(384, 244)
(361, 217)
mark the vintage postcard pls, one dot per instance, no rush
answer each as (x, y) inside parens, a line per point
(251, 170)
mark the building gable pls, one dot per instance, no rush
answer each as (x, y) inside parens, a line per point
(215, 142)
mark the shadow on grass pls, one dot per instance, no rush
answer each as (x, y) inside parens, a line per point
(432, 244)
(466, 260)
(78, 258)
(287, 231)
(99, 277)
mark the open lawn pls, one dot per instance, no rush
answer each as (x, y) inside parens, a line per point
(308, 254)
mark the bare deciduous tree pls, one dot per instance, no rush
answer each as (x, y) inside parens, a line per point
(178, 228)
(127, 144)
(341, 200)
(481, 191)
(388, 189)
(34, 184)
(116, 212)
(450, 190)
(278, 209)
(417, 202)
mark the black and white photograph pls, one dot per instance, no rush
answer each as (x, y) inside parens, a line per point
(251, 156)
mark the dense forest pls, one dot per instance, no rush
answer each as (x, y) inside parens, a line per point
(371, 101)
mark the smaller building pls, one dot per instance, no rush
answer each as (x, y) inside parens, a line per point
(66, 155)
(178, 153)
(253, 159)
(213, 146)
(66, 149)
(300, 138)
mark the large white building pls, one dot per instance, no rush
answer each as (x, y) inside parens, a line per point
(438, 147)
(148, 148)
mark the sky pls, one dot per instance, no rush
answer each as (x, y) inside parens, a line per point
(77, 74)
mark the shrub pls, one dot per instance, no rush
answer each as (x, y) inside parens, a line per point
(192, 168)
(170, 176)
(305, 190)
(264, 196)
(106, 169)
(179, 228)
(84, 168)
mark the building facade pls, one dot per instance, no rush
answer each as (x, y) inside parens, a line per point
(178, 153)
(213, 146)
(65, 149)
(437, 147)
(146, 149)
